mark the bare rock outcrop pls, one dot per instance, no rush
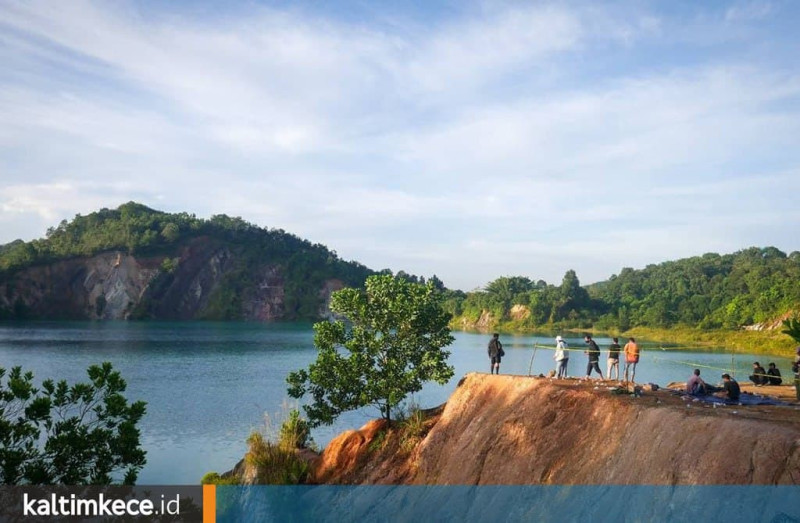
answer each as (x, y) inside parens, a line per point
(523, 430)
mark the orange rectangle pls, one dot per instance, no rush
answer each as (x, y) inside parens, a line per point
(209, 503)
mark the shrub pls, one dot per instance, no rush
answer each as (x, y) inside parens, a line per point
(295, 432)
(274, 464)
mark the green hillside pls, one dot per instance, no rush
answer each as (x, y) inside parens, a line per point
(708, 292)
(137, 230)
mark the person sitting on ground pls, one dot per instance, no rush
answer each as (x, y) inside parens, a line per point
(774, 375)
(759, 376)
(696, 386)
(730, 389)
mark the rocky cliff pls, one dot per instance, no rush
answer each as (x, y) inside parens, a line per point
(199, 279)
(523, 430)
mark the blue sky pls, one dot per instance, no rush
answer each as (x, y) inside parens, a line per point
(467, 139)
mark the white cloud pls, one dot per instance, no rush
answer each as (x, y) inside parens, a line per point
(749, 11)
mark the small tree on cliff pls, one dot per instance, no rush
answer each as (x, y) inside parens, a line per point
(390, 345)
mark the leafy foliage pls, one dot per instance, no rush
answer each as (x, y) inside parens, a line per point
(391, 344)
(791, 327)
(73, 435)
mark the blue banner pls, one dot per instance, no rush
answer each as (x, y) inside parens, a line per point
(417, 504)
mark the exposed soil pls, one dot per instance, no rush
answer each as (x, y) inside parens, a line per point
(526, 430)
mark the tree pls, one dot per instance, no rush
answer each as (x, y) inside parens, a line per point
(171, 232)
(75, 435)
(791, 327)
(391, 344)
(507, 289)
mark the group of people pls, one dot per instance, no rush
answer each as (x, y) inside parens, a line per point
(761, 377)
(631, 352)
(730, 389)
(561, 356)
(695, 385)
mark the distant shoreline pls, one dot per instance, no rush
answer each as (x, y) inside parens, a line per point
(771, 342)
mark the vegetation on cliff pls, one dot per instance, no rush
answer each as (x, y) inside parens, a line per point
(710, 292)
(138, 230)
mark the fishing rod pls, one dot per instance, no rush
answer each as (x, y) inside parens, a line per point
(535, 346)
(692, 364)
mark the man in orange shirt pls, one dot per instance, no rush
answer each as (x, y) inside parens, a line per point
(631, 358)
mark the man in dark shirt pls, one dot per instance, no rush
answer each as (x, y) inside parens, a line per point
(730, 389)
(594, 357)
(496, 352)
(774, 375)
(759, 376)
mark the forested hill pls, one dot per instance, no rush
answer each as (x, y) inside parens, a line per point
(136, 262)
(710, 291)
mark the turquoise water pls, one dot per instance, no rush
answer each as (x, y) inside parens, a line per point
(208, 385)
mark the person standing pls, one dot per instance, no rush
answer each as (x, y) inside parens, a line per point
(796, 371)
(562, 357)
(631, 351)
(594, 357)
(495, 353)
(613, 358)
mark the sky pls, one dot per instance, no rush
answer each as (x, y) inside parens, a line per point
(470, 140)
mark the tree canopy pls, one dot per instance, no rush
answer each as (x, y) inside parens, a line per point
(388, 344)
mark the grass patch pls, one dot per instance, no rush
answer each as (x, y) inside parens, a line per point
(377, 442)
(273, 453)
(756, 342)
(275, 464)
(213, 478)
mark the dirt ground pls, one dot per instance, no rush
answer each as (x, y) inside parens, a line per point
(665, 397)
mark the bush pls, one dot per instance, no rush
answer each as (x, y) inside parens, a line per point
(213, 478)
(274, 464)
(295, 432)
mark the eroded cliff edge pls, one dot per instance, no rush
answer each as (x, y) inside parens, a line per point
(523, 430)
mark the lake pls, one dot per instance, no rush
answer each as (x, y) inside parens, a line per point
(208, 385)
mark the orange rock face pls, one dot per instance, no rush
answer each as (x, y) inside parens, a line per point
(523, 430)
